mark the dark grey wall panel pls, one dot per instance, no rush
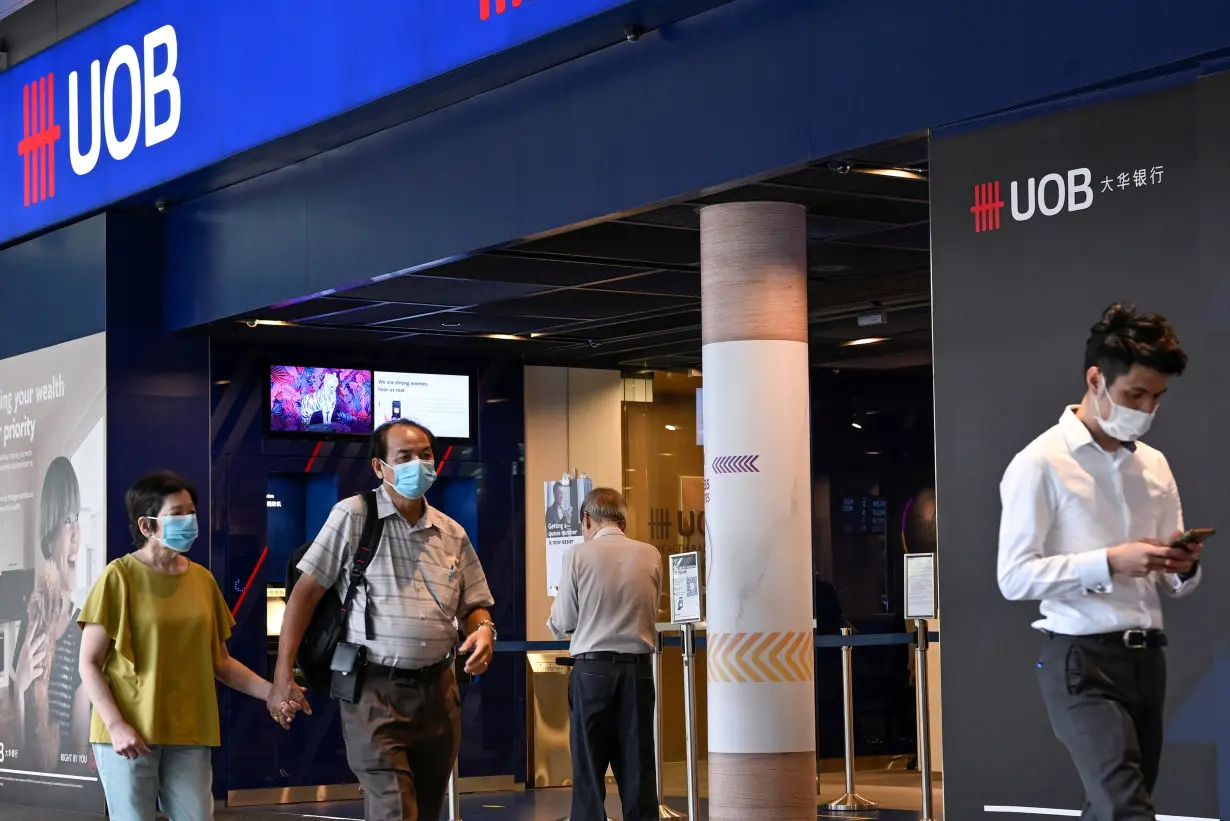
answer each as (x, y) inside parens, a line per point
(1012, 309)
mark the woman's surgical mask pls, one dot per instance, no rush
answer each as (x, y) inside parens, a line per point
(1122, 423)
(412, 480)
(179, 532)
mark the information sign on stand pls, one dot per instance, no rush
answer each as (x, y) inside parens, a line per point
(685, 588)
(920, 600)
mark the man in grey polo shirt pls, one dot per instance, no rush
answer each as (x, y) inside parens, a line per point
(608, 600)
(424, 579)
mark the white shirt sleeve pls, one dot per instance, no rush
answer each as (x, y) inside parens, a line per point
(1172, 584)
(565, 609)
(1025, 572)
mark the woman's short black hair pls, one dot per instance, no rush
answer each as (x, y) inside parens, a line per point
(145, 498)
(59, 502)
(379, 443)
(1124, 338)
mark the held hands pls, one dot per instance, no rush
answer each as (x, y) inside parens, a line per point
(1140, 558)
(126, 742)
(482, 643)
(285, 700)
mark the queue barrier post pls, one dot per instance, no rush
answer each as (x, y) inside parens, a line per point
(687, 636)
(851, 801)
(664, 811)
(454, 796)
(921, 644)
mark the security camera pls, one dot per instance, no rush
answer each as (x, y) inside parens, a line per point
(839, 167)
(251, 323)
(634, 33)
(163, 206)
(593, 343)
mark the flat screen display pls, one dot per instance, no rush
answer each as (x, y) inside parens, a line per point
(323, 401)
(438, 401)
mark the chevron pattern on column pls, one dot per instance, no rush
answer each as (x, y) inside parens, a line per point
(735, 464)
(760, 657)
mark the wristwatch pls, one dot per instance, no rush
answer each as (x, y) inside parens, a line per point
(490, 625)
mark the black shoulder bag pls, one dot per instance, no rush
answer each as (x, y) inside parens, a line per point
(324, 648)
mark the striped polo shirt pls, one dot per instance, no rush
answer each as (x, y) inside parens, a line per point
(423, 576)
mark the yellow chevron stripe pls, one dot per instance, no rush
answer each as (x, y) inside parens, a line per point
(760, 657)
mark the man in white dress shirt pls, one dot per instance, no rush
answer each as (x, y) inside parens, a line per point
(1090, 515)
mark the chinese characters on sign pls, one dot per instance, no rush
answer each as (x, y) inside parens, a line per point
(1139, 178)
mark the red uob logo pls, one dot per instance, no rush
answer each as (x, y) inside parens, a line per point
(501, 6)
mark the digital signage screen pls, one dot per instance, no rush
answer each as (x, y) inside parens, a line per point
(438, 401)
(320, 401)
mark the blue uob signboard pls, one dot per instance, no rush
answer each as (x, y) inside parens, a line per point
(165, 87)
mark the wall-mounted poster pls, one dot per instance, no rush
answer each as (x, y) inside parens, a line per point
(563, 498)
(52, 548)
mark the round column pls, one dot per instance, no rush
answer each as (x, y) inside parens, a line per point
(761, 696)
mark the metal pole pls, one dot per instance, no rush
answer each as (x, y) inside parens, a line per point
(851, 801)
(454, 796)
(689, 712)
(663, 810)
(924, 715)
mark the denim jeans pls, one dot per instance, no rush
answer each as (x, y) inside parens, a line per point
(177, 779)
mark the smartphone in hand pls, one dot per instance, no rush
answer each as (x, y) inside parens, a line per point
(1196, 534)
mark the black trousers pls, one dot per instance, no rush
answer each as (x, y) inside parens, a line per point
(612, 713)
(1105, 703)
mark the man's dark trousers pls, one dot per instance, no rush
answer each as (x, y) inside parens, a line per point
(611, 700)
(401, 741)
(1105, 702)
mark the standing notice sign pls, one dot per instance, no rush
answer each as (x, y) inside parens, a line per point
(920, 586)
(685, 588)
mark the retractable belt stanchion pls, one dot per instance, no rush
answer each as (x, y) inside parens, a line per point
(454, 796)
(686, 634)
(663, 810)
(851, 801)
(924, 715)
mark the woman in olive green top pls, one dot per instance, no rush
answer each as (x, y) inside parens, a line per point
(155, 631)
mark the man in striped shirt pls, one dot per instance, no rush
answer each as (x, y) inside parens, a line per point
(424, 579)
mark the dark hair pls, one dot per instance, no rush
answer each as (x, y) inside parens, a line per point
(60, 500)
(1124, 338)
(145, 498)
(559, 486)
(379, 443)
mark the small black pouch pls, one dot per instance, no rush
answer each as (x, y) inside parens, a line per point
(347, 666)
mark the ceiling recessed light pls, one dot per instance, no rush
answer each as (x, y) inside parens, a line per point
(873, 453)
(870, 340)
(450, 324)
(671, 427)
(508, 337)
(856, 425)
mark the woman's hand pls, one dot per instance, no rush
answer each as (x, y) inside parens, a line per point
(126, 742)
(30, 665)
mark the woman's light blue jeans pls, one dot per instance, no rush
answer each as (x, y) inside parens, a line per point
(177, 779)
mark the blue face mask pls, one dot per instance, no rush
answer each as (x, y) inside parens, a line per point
(179, 532)
(413, 479)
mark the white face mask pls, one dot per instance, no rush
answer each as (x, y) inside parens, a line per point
(1124, 424)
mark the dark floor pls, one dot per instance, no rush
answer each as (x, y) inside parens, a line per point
(538, 805)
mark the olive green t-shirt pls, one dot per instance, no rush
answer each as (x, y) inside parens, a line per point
(167, 634)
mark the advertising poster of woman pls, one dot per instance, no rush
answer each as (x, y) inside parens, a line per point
(52, 548)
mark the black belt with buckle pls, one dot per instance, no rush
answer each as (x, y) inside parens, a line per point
(1134, 639)
(616, 658)
(401, 674)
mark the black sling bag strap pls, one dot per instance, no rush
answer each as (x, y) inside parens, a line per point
(328, 627)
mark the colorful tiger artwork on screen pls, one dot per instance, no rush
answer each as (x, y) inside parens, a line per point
(320, 400)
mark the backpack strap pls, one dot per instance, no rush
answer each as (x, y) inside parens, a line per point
(369, 541)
